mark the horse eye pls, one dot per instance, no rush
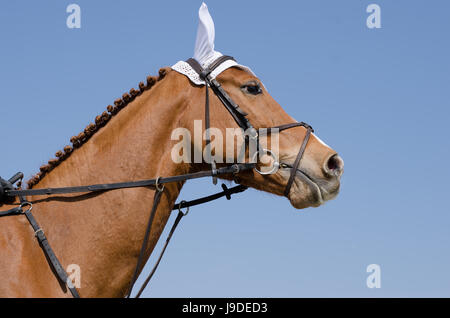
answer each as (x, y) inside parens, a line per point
(252, 88)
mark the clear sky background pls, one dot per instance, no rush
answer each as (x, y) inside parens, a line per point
(380, 97)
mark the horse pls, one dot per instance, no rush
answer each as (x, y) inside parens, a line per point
(102, 232)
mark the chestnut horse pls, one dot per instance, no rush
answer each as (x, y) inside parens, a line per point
(102, 233)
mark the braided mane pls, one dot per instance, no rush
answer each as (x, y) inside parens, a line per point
(100, 121)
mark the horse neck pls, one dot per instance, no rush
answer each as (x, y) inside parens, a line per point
(103, 233)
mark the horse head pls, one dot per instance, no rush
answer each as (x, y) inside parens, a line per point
(305, 169)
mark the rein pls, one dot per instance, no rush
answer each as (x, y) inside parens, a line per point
(8, 192)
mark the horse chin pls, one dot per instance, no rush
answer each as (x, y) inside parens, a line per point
(305, 193)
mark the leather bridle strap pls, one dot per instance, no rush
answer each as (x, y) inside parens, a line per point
(13, 211)
(227, 192)
(203, 73)
(48, 251)
(187, 204)
(236, 112)
(280, 128)
(294, 167)
(7, 185)
(207, 133)
(149, 277)
(235, 168)
(140, 260)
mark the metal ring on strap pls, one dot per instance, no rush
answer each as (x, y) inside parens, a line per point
(179, 208)
(275, 165)
(26, 203)
(159, 187)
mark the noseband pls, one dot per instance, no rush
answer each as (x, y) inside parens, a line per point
(8, 192)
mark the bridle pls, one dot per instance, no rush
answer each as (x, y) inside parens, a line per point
(239, 116)
(8, 191)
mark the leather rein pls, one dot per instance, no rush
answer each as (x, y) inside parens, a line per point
(8, 192)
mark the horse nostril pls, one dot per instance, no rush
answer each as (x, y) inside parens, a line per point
(334, 166)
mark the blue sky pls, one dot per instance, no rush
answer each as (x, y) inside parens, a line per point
(380, 97)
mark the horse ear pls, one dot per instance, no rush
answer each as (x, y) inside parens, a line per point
(204, 44)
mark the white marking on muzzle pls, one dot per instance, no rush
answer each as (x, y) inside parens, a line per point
(321, 141)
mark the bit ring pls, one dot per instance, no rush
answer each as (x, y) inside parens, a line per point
(275, 166)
